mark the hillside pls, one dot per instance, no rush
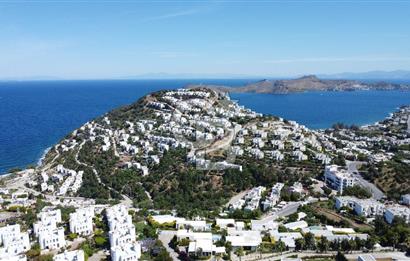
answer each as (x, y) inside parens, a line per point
(307, 83)
(189, 150)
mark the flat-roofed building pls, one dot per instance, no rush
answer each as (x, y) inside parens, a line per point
(204, 248)
(13, 242)
(397, 211)
(247, 239)
(52, 239)
(76, 255)
(338, 178)
(126, 252)
(81, 221)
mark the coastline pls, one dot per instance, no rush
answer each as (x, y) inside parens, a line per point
(40, 160)
(45, 151)
(288, 98)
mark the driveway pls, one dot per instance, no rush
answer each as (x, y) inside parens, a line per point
(165, 237)
(352, 168)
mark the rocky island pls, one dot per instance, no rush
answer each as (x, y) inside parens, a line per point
(191, 174)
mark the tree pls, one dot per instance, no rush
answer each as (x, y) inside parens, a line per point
(352, 245)
(340, 257)
(323, 244)
(239, 252)
(300, 244)
(293, 217)
(357, 191)
(163, 255)
(370, 242)
(345, 246)
(72, 236)
(310, 241)
(48, 257)
(394, 239)
(280, 246)
(100, 241)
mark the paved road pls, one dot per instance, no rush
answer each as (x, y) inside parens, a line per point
(290, 208)
(165, 237)
(351, 256)
(352, 168)
(220, 144)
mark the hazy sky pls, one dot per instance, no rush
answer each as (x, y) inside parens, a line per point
(105, 39)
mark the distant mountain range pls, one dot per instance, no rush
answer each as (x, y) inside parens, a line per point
(307, 83)
(372, 75)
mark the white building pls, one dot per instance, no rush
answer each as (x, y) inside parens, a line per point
(76, 255)
(366, 257)
(52, 239)
(362, 207)
(47, 221)
(206, 247)
(296, 225)
(21, 257)
(195, 225)
(338, 178)
(247, 239)
(225, 223)
(13, 242)
(405, 199)
(397, 211)
(124, 246)
(166, 219)
(193, 236)
(369, 208)
(126, 252)
(263, 225)
(297, 187)
(81, 221)
(287, 237)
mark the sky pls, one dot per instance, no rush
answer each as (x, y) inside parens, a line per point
(88, 39)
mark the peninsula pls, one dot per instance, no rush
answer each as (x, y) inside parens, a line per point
(189, 174)
(306, 83)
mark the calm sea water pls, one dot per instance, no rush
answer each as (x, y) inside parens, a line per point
(36, 115)
(319, 110)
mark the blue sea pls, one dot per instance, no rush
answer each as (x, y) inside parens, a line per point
(35, 115)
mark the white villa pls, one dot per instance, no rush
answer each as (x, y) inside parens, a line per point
(81, 221)
(13, 242)
(126, 252)
(76, 255)
(122, 234)
(52, 239)
(362, 207)
(247, 239)
(338, 178)
(49, 235)
(397, 211)
(204, 248)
